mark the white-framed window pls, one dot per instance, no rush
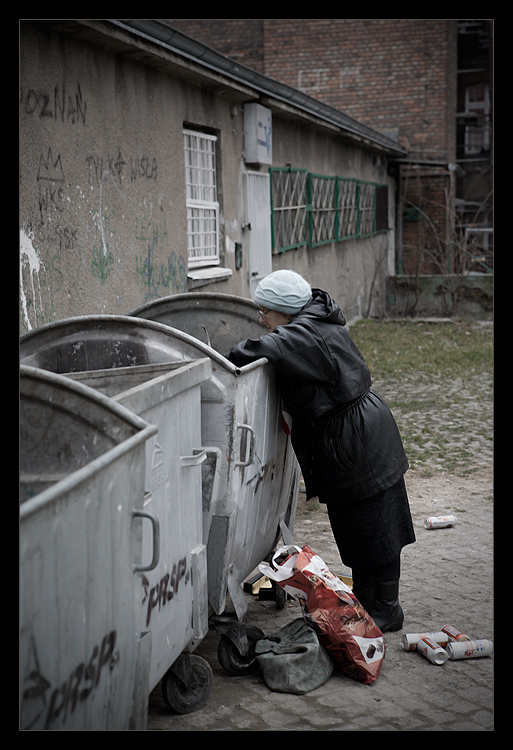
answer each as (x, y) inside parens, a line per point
(201, 195)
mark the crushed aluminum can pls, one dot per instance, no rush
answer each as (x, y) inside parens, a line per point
(469, 649)
(409, 640)
(454, 634)
(432, 651)
(440, 522)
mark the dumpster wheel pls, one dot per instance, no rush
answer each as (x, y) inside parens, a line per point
(230, 657)
(186, 686)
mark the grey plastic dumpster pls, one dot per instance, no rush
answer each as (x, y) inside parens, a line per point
(173, 597)
(256, 482)
(81, 557)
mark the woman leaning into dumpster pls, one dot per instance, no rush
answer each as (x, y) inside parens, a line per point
(344, 435)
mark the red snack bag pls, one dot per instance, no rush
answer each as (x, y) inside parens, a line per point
(345, 629)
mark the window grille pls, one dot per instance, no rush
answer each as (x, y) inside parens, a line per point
(366, 208)
(310, 209)
(322, 209)
(201, 196)
(347, 203)
(289, 208)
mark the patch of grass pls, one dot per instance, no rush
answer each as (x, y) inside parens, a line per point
(392, 347)
(437, 379)
(311, 507)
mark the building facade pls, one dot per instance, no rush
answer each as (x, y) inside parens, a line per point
(152, 165)
(426, 83)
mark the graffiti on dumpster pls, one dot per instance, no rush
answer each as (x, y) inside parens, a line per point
(79, 685)
(164, 591)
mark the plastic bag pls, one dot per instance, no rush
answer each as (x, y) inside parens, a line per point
(293, 660)
(344, 627)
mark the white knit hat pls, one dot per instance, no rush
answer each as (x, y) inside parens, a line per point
(283, 291)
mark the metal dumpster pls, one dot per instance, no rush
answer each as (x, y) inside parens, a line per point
(250, 476)
(81, 557)
(255, 484)
(220, 320)
(124, 361)
(174, 596)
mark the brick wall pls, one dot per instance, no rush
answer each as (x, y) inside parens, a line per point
(391, 74)
(386, 73)
(241, 39)
(426, 227)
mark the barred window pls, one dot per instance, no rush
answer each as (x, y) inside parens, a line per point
(322, 209)
(289, 203)
(310, 209)
(201, 196)
(347, 203)
(366, 208)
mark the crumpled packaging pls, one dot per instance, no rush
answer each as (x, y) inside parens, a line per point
(345, 629)
(293, 660)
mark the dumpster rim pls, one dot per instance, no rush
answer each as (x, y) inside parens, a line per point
(222, 296)
(128, 320)
(75, 478)
(190, 375)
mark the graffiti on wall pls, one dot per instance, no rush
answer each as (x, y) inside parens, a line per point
(50, 181)
(157, 279)
(68, 230)
(61, 104)
(104, 221)
(129, 169)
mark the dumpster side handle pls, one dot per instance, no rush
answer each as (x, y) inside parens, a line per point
(195, 460)
(156, 541)
(251, 453)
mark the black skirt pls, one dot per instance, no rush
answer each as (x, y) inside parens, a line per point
(372, 532)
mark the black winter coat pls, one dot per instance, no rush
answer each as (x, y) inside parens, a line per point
(343, 433)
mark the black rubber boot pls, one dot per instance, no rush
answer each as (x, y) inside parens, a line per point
(385, 609)
(361, 590)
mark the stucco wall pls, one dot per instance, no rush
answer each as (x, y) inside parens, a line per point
(101, 202)
(353, 271)
(102, 189)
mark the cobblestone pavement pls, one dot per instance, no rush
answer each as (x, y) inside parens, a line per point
(447, 578)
